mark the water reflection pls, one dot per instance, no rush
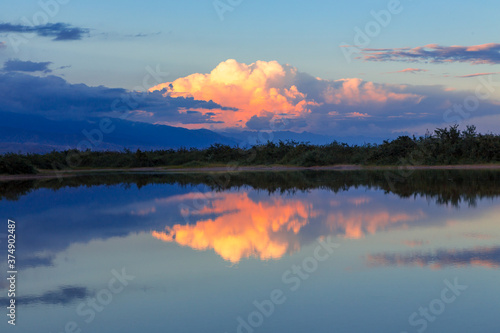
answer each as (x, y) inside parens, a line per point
(356, 224)
(485, 257)
(181, 234)
(61, 296)
(450, 187)
(241, 224)
(277, 214)
(243, 227)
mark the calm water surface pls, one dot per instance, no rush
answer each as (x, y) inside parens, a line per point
(289, 252)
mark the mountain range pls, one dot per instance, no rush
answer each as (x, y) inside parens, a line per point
(36, 134)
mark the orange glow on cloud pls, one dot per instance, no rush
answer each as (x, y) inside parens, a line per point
(357, 115)
(264, 88)
(484, 263)
(482, 47)
(254, 89)
(357, 223)
(244, 228)
(358, 92)
(269, 229)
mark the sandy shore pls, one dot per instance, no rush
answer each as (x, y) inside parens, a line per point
(72, 173)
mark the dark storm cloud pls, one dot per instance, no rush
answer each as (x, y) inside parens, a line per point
(54, 97)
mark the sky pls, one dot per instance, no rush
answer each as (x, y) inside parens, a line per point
(340, 68)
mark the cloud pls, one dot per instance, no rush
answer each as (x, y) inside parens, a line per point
(266, 230)
(477, 74)
(63, 296)
(255, 90)
(239, 225)
(357, 115)
(410, 70)
(434, 53)
(38, 259)
(2, 45)
(269, 121)
(59, 31)
(415, 243)
(355, 224)
(17, 65)
(485, 257)
(259, 96)
(266, 93)
(476, 235)
(356, 92)
(53, 97)
(142, 35)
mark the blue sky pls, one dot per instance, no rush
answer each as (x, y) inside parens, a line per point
(120, 39)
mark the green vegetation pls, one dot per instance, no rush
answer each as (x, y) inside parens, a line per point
(447, 146)
(14, 164)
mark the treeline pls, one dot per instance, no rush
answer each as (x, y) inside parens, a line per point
(446, 146)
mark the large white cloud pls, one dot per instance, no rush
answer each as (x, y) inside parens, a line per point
(271, 91)
(261, 96)
(255, 90)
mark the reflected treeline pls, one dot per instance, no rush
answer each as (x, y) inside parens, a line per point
(452, 187)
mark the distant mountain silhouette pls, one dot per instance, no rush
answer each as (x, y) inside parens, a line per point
(32, 133)
(254, 137)
(36, 134)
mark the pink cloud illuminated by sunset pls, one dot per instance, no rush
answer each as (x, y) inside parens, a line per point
(410, 70)
(269, 90)
(243, 227)
(253, 89)
(477, 74)
(476, 54)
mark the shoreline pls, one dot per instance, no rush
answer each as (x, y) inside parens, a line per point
(221, 169)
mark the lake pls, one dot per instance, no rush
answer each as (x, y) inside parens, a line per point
(315, 251)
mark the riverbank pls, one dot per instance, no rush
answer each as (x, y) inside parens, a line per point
(45, 174)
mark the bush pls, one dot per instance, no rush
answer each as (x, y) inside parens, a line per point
(14, 164)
